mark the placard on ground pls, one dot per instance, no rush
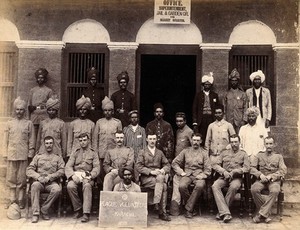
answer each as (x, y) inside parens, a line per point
(122, 209)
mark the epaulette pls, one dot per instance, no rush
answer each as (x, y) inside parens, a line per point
(242, 150)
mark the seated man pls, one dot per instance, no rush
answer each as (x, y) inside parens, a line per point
(153, 166)
(230, 164)
(193, 166)
(126, 185)
(82, 168)
(45, 168)
(268, 167)
(116, 158)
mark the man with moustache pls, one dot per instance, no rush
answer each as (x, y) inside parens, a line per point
(153, 167)
(45, 168)
(252, 134)
(81, 169)
(231, 164)
(126, 185)
(54, 127)
(192, 165)
(19, 143)
(116, 158)
(80, 125)
(235, 102)
(268, 167)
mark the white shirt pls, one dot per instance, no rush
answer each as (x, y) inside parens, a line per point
(152, 150)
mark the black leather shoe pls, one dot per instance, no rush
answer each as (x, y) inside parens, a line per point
(34, 219)
(219, 217)
(227, 218)
(164, 216)
(45, 216)
(188, 215)
(21, 204)
(85, 218)
(77, 214)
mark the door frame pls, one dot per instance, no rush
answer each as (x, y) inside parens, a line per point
(162, 49)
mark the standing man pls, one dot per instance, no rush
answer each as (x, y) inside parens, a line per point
(235, 102)
(126, 185)
(45, 168)
(80, 125)
(54, 127)
(204, 106)
(268, 167)
(116, 158)
(81, 169)
(123, 100)
(218, 133)
(163, 131)
(19, 143)
(153, 167)
(192, 165)
(260, 97)
(183, 140)
(95, 93)
(38, 97)
(231, 164)
(252, 134)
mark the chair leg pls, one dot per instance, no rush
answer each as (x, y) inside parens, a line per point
(59, 206)
(242, 192)
(280, 205)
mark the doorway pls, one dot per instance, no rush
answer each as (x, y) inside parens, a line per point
(169, 79)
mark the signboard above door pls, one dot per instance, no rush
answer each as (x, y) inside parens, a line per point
(172, 11)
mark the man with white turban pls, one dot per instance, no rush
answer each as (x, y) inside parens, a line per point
(252, 134)
(54, 127)
(19, 143)
(260, 97)
(80, 125)
(204, 106)
(105, 129)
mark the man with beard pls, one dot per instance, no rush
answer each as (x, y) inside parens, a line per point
(231, 164)
(163, 131)
(95, 93)
(193, 166)
(252, 135)
(260, 97)
(235, 102)
(153, 167)
(268, 167)
(80, 125)
(204, 106)
(54, 127)
(19, 143)
(46, 167)
(116, 158)
(183, 140)
(126, 185)
(123, 100)
(38, 97)
(81, 169)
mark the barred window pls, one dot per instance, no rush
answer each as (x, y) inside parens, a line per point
(248, 59)
(8, 71)
(77, 59)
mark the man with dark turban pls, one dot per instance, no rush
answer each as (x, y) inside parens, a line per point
(163, 130)
(95, 93)
(54, 127)
(124, 101)
(19, 143)
(235, 102)
(260, 97)
(204, 106)
(80, 125)
(38, 97)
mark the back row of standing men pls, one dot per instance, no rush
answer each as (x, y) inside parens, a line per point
(20, 135)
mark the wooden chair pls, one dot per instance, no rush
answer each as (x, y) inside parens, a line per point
(280, 197)
(43, 197)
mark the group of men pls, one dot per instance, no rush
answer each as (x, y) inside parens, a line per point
(115, 150)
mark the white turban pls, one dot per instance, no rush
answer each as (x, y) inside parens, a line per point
(208, 78)
(258, 73)
(53, 103)
(254, 110)
(83, 101)
(107, 103)
(19, 103)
